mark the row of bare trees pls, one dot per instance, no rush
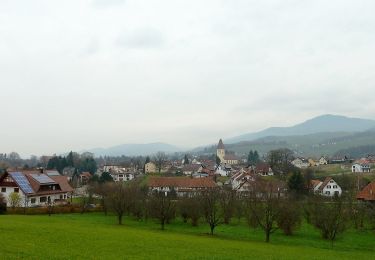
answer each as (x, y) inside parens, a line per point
(263, 207)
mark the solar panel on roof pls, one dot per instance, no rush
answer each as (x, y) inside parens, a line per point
(22, 181)
(42, 178)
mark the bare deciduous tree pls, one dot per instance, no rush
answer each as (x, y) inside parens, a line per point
(289, 218)
(3, 204)
(162, 207)
(211, 208)
(119, 199)
(227, 203)
(160, 159)
(190, 208)
(263, 207)
(329, 216)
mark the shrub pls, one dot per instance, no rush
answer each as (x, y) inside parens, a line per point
(3, 204)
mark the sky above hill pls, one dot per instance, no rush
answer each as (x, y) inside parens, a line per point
(82, 74)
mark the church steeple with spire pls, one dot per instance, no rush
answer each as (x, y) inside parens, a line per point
(220, 150)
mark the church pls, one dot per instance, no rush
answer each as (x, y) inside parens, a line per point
(226, 158)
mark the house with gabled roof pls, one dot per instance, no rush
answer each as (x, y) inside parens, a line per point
(328, 187)
(35, 188)
(241, 179)
(367, 193)
(361, 167)
(300, 162)
(263, 169)
(323, 161)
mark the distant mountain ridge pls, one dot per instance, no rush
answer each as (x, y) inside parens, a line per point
(321, 124)
(135, 149)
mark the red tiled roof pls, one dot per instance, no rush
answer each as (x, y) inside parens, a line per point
(368, 192)
(62, 181)
(191, 167)
(262, 167)
(315, 183)
(181, 182)
(230, 157)
(325, 182)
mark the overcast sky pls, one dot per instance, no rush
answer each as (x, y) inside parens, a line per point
(83, 74)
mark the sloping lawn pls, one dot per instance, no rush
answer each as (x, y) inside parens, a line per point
(95, 236)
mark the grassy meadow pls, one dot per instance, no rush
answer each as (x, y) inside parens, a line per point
(95, 236)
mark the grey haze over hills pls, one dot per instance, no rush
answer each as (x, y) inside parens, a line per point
(317, 130)
(320, 124)
(134, 149)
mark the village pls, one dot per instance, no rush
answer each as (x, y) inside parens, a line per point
(276, 194)
(43, 187)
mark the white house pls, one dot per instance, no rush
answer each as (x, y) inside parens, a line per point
(361, 167)
(35, 188)
(239, 180)
(126, 176)
(300, 163)
(223, 170)
(323, 161)
(328, 187)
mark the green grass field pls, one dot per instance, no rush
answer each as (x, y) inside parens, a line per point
(95, 236)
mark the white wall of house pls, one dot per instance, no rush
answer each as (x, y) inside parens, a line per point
(122, 177)
(6, 191)
(360, 168)
(331, 189)
(299, 163)
(30, 201)
(323, 161)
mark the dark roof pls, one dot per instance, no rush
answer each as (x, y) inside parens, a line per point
(191, 167)
(220, 145)
(315, 183)
(325, 182)
(61, 181)
(368, 192)
(262, 167)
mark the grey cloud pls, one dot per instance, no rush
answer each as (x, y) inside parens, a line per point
(145, 38)
(107, 3)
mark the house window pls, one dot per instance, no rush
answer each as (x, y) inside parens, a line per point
(61, 196)
(16, 190)
(42, 199)
(335, 186)
(327, 192)
(328, 186)
(32, 200)
(3, 190)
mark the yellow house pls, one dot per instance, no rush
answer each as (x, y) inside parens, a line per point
(150, 167)
(313, 163)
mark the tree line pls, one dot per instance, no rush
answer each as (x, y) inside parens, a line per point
(265, 206)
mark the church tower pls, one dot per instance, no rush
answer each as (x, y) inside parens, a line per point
(220, 151)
